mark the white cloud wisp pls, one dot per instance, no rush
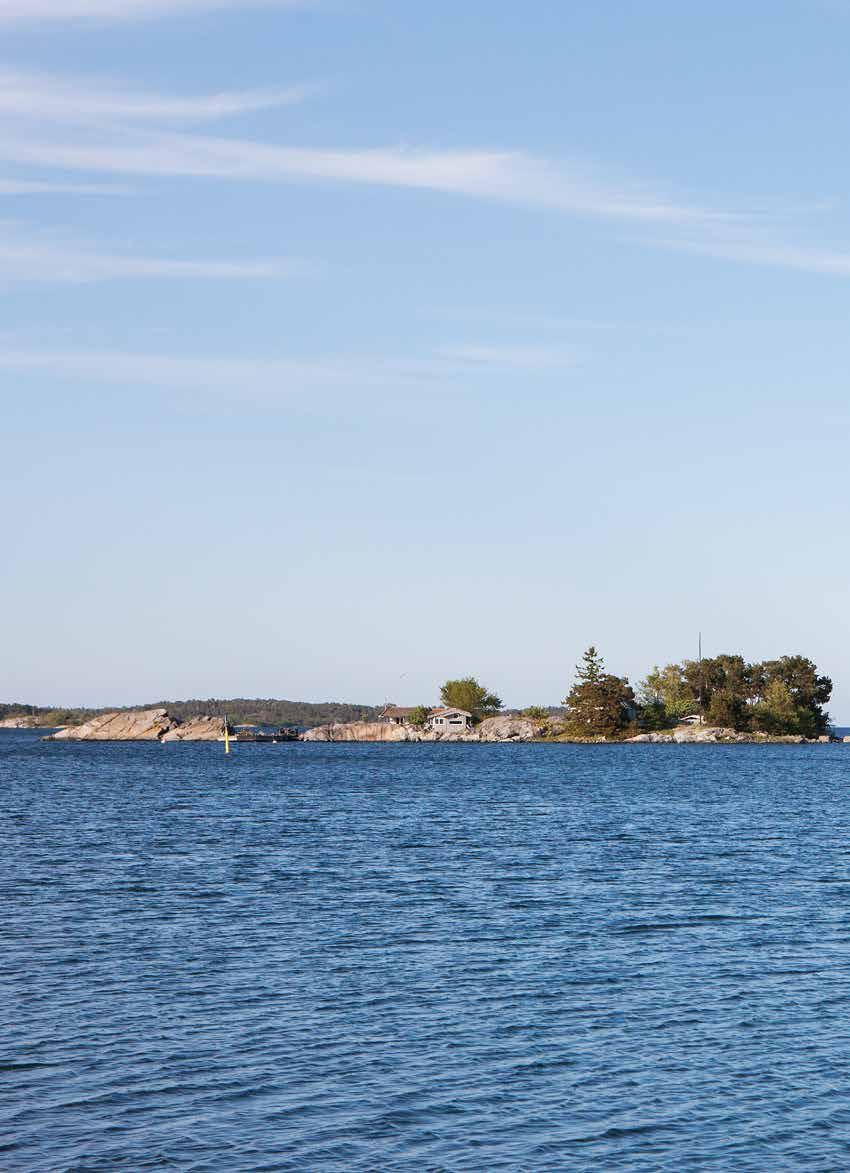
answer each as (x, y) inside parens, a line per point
(757, 250)
(35, 12)
(44, 258)
(117, 134)
(510, 177)
(17, 187)
(45, 97)
(441, 372)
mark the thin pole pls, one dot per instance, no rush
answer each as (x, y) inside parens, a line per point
(701, 698)
(226, 735)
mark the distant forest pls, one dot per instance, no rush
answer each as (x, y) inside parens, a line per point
(240, 711)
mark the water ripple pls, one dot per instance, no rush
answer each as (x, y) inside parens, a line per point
(464, 958)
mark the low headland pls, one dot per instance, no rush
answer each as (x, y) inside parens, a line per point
(720, 700)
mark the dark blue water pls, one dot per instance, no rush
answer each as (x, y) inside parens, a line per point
(343, 957)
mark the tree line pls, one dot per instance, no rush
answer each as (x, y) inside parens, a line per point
(785, 696)
(782, 696)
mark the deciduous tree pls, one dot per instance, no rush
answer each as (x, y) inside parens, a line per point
(419, 715)
(468, 694)
(665, 692)
(790, 693)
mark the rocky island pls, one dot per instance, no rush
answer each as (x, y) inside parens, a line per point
(723, 699)
(142, 725)
(159, 725)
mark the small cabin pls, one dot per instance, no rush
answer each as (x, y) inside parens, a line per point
(440, 720)
(449, 721)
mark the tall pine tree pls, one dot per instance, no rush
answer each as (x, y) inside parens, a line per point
(599, 704)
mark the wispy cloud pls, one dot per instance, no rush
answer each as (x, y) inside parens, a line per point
(755, 250)
(33, 12)
(171, 372)
(73, 126)
(44, 258)
(15, 187)
(511, 177)
(441, 371)
(55, 99)
(528, 358)
(119, 131)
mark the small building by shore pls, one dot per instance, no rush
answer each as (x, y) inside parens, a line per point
(449, 720)
(439, 720)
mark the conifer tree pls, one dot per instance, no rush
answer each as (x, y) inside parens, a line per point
(599, 704)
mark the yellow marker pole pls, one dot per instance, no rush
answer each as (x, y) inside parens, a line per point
(226, 735)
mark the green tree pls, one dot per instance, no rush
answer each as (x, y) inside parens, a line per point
(802, 687)
(592, 667)
(775, 711)
(722, 685)
(665, 696)
(654, 716)
(599, 704)
(468, 694)
(419, 715)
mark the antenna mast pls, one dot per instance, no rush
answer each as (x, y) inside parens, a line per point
(701, 697)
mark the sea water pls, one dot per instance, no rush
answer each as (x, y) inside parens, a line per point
(424, 957)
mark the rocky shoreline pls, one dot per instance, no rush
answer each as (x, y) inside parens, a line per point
(549, 731)
(142, 725)
(24, 723)
(159, 725)
(696, 735)
(493, 729)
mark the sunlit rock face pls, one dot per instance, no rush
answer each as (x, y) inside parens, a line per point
(142, 725)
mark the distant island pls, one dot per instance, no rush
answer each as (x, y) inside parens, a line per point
(720, 698)
(239, 710)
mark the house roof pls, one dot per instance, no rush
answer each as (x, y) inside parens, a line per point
(401, 711)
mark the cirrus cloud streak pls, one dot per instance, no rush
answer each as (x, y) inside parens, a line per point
(35, 12)
(43, 257)
(35, 96)
(511, 177)
(442, 371)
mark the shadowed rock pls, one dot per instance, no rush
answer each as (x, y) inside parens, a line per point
(197, 729)
(509, 729)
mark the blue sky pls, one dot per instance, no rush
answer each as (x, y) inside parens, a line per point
(351, 345)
